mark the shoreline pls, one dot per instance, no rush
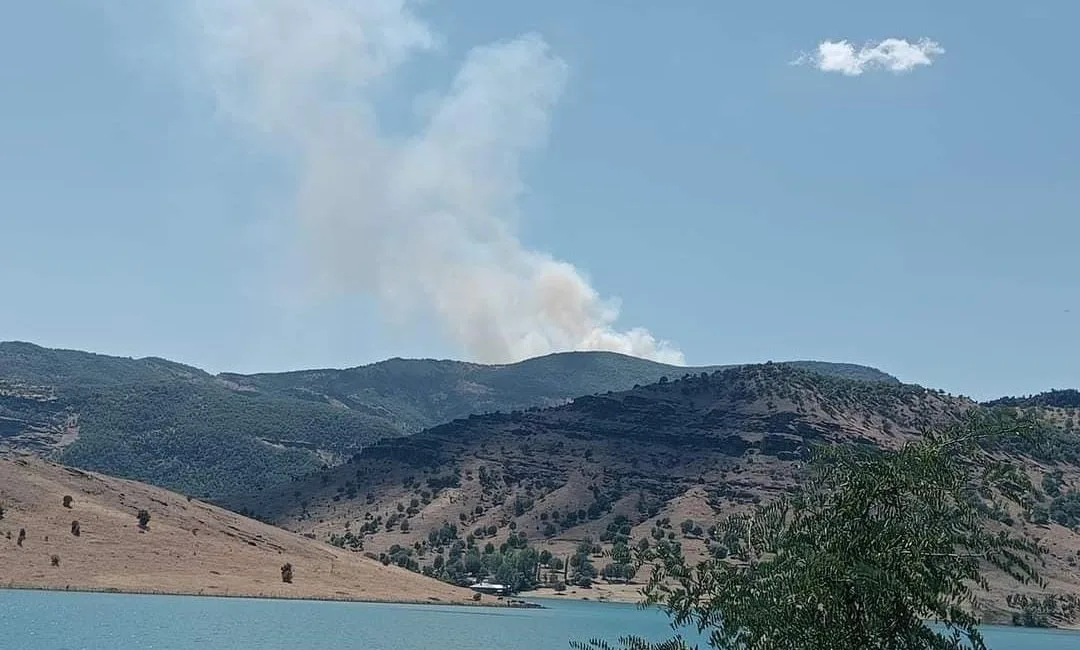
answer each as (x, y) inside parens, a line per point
(600, 592)
(622, 595)
(431, 601)
(504, 604)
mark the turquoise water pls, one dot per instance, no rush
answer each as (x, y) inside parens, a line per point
(36, 620)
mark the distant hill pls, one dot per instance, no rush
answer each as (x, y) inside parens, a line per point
(165, 423)
(189, 547)
(415, 394)
(179, 427)
(658, 461)
(33, 364)
(1068, 398)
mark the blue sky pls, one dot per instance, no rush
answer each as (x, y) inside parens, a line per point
(740, 207)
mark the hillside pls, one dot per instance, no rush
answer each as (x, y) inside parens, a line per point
(212, 436)
(657, 462)
(1068, 398)
(188, 547)
(165, 423)
(710, 432)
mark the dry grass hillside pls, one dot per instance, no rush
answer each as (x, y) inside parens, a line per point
(660, 461)
(188, 547)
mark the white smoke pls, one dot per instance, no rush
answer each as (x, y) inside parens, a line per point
(423, 221)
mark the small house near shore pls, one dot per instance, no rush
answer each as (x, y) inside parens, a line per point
(485, 587)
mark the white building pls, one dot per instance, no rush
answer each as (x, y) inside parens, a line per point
(486, 587)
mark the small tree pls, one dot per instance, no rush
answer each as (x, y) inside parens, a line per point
(873, 550)
(76, 530)
(67, 500)
(144, 519)
(55, 560)
(286, 573)
(22, 536)
(623, 567)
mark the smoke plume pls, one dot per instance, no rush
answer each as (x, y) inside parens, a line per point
(425, 220)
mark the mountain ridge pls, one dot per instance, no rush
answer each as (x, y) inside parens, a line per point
(538, 381)
(1056, 398)
(208, 435)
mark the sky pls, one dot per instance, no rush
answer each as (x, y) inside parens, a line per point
(259, 185)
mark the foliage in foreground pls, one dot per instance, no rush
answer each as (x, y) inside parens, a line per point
(877, 550)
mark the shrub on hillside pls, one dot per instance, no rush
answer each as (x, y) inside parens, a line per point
(55, 560)
(286, 573)
(76, 530)
(583, 581)
(67, 500)
(144, 519)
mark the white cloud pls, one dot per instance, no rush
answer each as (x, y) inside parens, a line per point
(423, 221)
(892, 54)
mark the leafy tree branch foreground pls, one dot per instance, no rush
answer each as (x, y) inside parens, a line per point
(877, 550)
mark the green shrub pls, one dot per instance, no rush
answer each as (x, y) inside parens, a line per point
(877, 549)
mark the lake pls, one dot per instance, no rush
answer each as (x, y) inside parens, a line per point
(37, 620)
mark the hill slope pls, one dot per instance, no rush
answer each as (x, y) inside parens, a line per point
(166, 423)
(179, 427)
(660, 439)
(189, 547)
(660, 461)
